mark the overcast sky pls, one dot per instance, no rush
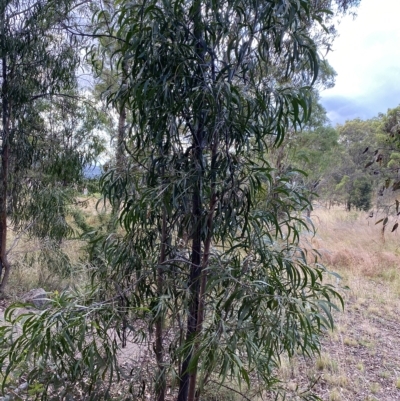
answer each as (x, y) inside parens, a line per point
(366, 57)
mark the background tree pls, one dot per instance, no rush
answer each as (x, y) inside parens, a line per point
(203, 87)
(383, 164)
(352, 178)
(39, 148)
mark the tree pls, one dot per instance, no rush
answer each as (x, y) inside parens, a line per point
(351, 176)
(206, 268)
(43, 147)
(206, 93)
(383, 163)
(313, 149)
(316, 152)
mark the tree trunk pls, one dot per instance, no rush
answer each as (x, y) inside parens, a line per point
(188, 376)
(120, 159)
(4, 265)
(161, 384)
(120, 152)
(195, 270)
(193, 394)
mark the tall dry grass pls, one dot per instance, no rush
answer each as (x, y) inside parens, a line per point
(28, 269)
(354, 244)
(359, 360)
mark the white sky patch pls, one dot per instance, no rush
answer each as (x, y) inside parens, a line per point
(366, 57)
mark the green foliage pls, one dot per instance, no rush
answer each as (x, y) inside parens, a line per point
(210, 227)
(43, 190)
(316, 153)
(92, 185)
(205, 268)
(384, 163)
(64, 350)
(360, 194)
(48, 126)
(336, 161)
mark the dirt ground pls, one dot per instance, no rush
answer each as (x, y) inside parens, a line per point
(360, 360)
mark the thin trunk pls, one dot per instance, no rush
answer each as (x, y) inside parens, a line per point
(195, 273)
(193, 395)
(188, 376)
(120, 159)
(120, 153)
(4, 265)
(161, 384)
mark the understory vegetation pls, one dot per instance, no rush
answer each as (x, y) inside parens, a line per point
(357, 360)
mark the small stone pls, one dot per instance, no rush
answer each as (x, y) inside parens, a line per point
(37, 297)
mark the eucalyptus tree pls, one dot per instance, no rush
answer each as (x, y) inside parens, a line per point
(206, 272)
(354, 182)
(39, 61)
(55, 148)
(211, 230)
(382, 157)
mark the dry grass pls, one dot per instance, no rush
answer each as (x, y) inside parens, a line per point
(352, 242)
(29, 272)
(360, 360)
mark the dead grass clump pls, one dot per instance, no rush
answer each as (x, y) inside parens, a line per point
(351, 241)
(342, 258)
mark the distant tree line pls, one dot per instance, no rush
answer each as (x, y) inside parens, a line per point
(355, 164)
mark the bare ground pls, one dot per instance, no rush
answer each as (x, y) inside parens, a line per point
(360, 360)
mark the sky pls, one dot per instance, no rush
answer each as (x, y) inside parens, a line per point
(366, 57)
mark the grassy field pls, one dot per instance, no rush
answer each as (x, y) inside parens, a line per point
(360, 360)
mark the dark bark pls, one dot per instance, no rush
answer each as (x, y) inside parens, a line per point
(195, 269)
(161, 384)
(193, 394)
(197, 280)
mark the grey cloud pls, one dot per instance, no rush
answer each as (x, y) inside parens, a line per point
(341, 108)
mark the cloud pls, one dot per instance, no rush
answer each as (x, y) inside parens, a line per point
(366, 57)
(341, 108)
